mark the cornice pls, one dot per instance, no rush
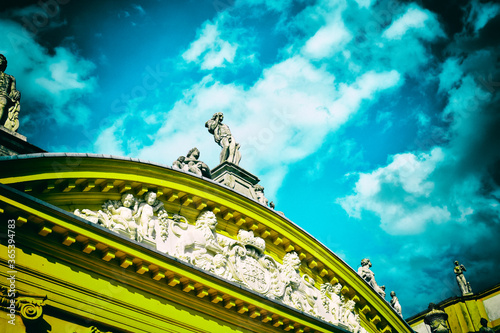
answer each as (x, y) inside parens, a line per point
(85, 178)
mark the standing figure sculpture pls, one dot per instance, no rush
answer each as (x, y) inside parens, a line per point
(9, 98)
(365, 272)
(222, 135)
(395, 303)
(462, 283)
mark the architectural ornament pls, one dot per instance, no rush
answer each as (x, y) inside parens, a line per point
(259, 194)
(28, 307)
(222, 135)
(9, 98)
(365, 272)
(242, 260)
(436, 319)
(464, 286)
(191, 163)
(395, 303)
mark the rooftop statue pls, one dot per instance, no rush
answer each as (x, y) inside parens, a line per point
(365, 272)
(9, 98)
(259, 193)
(462, 283)
(190, 163)
(395, 303)
(222, 135)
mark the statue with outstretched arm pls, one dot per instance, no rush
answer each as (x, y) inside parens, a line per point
(222, 135)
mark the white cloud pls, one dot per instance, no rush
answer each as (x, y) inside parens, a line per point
(47, 81)
(400, 193)
(327, 40)
(108, 141)
(481, 13)
(209, 50)
(274, 5)
(416, 19)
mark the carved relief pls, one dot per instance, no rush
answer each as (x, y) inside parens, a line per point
(28, 307)
(242, 260)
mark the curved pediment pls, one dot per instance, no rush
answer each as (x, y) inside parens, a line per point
(205, 225)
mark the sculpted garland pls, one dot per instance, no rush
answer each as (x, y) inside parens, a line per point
(241, 261)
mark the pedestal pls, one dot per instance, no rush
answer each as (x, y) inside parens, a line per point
(13, 143)
(236, 178)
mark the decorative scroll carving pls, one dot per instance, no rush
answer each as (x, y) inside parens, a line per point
(29, 307)
(242, 260)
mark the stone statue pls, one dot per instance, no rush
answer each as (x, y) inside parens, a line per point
(190, 163)
(436, 319)
(9, 98)
(145, 214)
(199, 246)
(462, 283)
(299, 291)
(395, 303)
(242, 261)
(365, 272)
(222, 135)
(351, 318)
(259, 193)
(121, 214)
(332, 301)
(485, 328)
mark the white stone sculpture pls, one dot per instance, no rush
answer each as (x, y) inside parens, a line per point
(119, 215)
(199, 246)
(465, 287)
(222, 135)
(147, 221)
(350, 318)
(365, 272)
(395, 303)
(191, 163)
(259, 194)
(242, 260)
(299, 292)
(332, 301)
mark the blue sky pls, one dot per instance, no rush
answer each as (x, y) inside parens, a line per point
(372, 124)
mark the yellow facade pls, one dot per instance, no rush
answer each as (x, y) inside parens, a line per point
(96, 280)
(465, 313)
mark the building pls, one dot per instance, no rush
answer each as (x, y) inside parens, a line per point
(97, 243)
(465, 312)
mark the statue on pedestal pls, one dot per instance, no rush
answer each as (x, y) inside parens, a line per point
(222, 135)
(9, 98)
(436, 319)
(462, 283)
